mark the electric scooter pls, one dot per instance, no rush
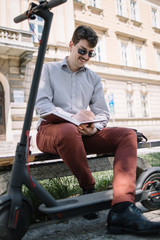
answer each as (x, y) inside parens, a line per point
(15, 210)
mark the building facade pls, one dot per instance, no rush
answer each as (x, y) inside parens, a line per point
(127, 59)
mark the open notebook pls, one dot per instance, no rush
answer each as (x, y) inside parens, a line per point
(56, 117)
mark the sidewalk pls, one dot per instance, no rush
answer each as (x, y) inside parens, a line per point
(81, 229)
(148, 150)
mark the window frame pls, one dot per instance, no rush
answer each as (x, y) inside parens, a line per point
(155, 22)
(125, 53)
(144, 105)
(158, 59)
(139, 57)
(100, 50)
(130, 104)
(95, 3)
(121, 8)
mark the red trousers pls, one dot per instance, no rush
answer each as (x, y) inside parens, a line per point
(65, 140)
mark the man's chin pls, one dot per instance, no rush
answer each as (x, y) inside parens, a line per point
(81, 64)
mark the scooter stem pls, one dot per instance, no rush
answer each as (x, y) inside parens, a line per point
(47, 16)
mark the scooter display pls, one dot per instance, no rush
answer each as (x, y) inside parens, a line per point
(15, 210)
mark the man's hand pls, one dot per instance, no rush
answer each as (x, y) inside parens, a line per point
(84, 115)
(87, 130)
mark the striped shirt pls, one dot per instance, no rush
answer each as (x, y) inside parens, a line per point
(68, 92)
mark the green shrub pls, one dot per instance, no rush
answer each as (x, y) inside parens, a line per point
(65, 187)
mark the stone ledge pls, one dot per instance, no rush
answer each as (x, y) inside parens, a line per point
(52, 168)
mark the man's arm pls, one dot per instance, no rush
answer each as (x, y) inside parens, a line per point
(98, 105)
(44, 101)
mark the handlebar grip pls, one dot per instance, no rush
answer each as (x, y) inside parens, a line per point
(21, 17)
(54, 3)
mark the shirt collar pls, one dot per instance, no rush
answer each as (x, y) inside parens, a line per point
(64, 65)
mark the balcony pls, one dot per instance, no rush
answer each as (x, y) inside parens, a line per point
(15, 42)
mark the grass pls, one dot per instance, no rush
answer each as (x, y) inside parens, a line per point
(152, 158)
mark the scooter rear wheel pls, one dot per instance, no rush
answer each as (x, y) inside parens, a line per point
(152, 184)
(25, 214)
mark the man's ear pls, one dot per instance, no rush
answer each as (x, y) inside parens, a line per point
(71, 44)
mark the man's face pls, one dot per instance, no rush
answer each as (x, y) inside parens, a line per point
(78, 60)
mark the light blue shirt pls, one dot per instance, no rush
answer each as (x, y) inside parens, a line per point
(68, 92)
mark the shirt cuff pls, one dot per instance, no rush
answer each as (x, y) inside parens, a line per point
(100, 126)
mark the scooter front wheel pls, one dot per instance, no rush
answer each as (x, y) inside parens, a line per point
(152, 188)
(17, 233)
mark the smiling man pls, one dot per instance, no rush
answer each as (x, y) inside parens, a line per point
(69, 88)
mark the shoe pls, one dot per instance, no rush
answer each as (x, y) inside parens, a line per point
(93, 215)
(130, 220)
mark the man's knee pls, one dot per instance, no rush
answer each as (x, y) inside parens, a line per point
(127, 135)
(130, 137)
(68, 132)
(132, 133)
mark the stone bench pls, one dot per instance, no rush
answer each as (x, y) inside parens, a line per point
(47, 166)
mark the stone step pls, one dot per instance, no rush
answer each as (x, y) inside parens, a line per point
(9, 148)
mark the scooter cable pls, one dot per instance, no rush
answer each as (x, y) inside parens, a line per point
(31, 28)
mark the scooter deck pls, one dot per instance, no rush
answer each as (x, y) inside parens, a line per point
(82, 205)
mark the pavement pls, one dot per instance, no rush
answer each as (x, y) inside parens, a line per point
(78, 228)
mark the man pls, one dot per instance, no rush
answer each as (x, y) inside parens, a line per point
(69, 87)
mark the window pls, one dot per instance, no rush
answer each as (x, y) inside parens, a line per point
(94, 3)
(133, 5)
(121, 7)
(158, 60)
(100, 49)
(36, 26)
(154, 18)
(130, 104)
(139, 57)
(98, 52)
(125, 55)
(95, 7)
(144, 104)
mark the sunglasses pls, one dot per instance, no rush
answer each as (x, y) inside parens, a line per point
(91, 54)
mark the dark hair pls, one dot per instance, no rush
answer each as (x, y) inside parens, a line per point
(87, 33)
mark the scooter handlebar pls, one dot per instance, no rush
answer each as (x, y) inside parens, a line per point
(55, 3)
(21, 17)
(48, 5)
